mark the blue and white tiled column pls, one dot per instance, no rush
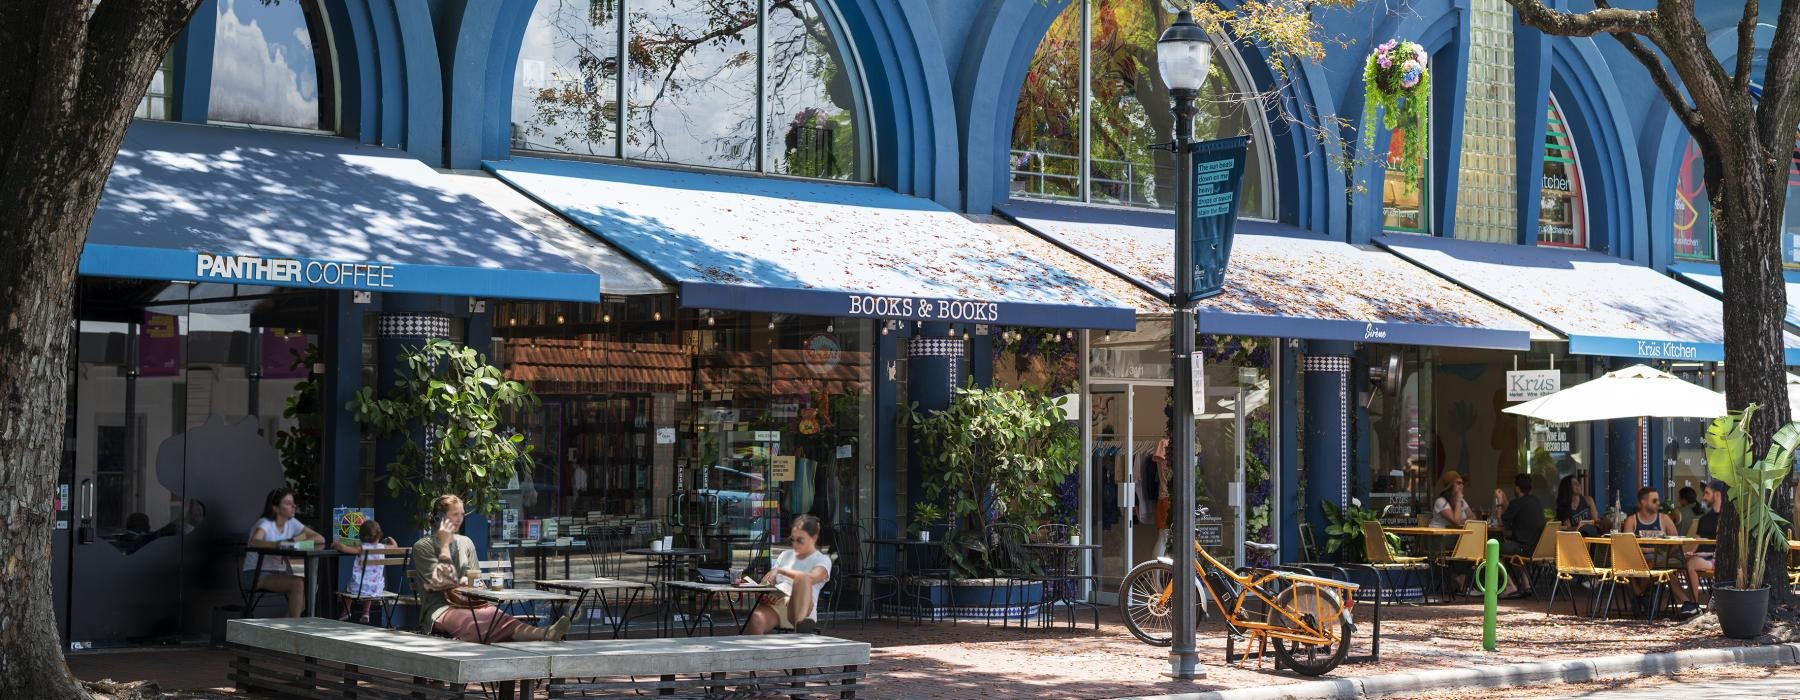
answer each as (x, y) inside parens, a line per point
(1326, 375)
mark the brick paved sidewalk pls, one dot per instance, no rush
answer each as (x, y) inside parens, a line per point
(941, 661)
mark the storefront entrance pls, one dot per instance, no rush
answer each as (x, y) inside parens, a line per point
(177, 394)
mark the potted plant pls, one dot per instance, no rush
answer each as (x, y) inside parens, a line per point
(446, 405)
(1743, 607)
(993, 456)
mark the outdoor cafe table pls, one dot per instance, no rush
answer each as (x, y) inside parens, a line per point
(319, 553)
(599, 587)
(1657, 541)
(1413, 531)
(541, 550)
(1062, 550)
(704, 593)
(507, 598)
(667, 557)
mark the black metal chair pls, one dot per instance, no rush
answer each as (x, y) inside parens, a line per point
(1005, 543)
(925, 566)
(865, 575)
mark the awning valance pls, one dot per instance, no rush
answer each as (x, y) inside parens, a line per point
(1604, 305)
(815, 248)
(1708, 278)
(1286, 283)
(229, 205)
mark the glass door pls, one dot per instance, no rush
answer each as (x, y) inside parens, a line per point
(179, 397)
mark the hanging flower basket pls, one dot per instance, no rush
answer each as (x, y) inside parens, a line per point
(1397, 81)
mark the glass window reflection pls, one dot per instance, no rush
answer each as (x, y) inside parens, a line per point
(264, 69)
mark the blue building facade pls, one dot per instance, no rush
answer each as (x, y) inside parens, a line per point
(657, 172)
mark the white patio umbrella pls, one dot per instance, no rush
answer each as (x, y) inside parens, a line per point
(1637, 391)
(1793, 388)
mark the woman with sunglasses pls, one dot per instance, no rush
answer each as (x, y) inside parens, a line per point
(800, 573)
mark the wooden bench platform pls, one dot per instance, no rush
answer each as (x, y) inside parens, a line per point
(308, 657)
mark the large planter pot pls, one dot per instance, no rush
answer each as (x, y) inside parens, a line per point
(1742, 613)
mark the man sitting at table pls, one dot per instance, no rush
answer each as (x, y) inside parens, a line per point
(1524, 523)
(796, 607)
(1712, 495)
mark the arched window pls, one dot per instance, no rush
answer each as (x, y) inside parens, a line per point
(1693, 214)
(1562, 210)
(758, 85)
(266, 66)
(1406, 201)
(1128, 110)
(155, 104)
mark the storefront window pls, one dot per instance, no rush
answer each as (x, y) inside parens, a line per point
(691, 89)
(179, 425)
(1128, 111)
(1693, 213)
(1561, 212)
(156, 104)
(716, 428)
(1402, 462)
(1683, 451)
(265, 66)
(1406, 200)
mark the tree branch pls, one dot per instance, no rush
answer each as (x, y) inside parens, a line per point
(1779, 110)
(1659, 74)
(1602, 20)
(1677, 31)
(1746, 45)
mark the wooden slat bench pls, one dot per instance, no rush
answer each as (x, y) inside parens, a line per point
(310, 657)
(698, 668)
(307, 657)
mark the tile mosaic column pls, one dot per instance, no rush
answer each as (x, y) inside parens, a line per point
(395, 333)
(934, 360)
(1326, 376)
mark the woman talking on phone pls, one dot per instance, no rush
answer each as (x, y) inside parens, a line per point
(446, 561)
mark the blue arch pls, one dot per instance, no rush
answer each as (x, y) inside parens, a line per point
(1602, 130)
(1443, 36)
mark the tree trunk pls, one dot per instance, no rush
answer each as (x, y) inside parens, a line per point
(1749, 210)
(70, 76)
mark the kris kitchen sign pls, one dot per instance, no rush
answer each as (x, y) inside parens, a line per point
(1526, 385)
(293, 271)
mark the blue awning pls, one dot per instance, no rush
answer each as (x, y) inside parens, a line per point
(1605, 305)
(1707, 277)
(815, 248)
(228, 205)
(1286, 283)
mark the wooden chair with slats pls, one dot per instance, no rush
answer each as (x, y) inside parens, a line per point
(1629, 564)
(1573, 562)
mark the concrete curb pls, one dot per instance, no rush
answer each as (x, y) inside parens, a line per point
(1506, 675)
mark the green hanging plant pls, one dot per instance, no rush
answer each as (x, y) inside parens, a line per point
(1397, 81)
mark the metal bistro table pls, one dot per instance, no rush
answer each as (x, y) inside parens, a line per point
(666, 558)
(320, 553)
(506, 598)
(906, 567)
(1066, 590)
(704, 594)
(540, 551)
(598, 587)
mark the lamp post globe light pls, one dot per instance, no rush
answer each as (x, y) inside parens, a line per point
(1183, 55)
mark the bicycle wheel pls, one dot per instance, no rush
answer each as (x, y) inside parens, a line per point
(1317, 607)
(1146, 600)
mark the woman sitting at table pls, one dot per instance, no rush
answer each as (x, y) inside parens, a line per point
(278, 525)
(1451, 510)
(800, 573)
(1574, 507)
(445, 562)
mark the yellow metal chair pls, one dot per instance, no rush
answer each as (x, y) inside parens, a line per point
(1542, 559)
(1384, 561)
(1469, 550)
(1629, 564)
(1573, 561)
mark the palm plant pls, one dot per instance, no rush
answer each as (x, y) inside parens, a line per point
(1751, 487)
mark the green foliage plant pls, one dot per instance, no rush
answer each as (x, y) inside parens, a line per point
(1344, 531)
(1751, 485)
(993, 456)
(447, 404)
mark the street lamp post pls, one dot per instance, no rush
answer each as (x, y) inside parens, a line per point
(1183, 54)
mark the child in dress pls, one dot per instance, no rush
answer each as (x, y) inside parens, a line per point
(367, 580)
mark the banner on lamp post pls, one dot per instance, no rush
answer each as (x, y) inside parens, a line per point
(1218, 181)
